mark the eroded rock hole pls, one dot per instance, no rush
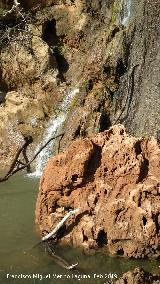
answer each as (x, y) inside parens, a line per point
(85, 238)
(77, 132)
(144, 221)
(105, 122)
(50, 33)
(106, 170)
(144, 170)
(113, 33)
(94, 162)
(56, 44)
(120, 252)
(101, 238)
(74, 178)
(120, 68)
(137, 148)
(96, 199)
(62, 63)
(157, 224)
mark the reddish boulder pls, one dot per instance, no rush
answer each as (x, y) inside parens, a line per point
(115, 180)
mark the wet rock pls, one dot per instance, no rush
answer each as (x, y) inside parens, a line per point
(114, 179)
(139, 100)
(136, 277)
(89, 114)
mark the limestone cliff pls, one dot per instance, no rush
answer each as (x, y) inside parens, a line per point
(114, 179)
(109, 49)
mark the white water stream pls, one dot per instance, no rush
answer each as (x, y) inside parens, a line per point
(125, 12)
(53, 128)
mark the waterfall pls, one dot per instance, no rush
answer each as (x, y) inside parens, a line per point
(125, 12)
(53, 128)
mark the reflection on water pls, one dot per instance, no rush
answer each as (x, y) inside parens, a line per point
(20, 255)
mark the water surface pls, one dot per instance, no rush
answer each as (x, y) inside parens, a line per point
(20, 254)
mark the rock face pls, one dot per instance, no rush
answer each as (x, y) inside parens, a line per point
(114, 179)
(138, 88)
(107, 49)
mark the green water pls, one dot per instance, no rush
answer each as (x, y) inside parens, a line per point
(19, 254)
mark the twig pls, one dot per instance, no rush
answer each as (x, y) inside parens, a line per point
(15, 7)
(53, 233)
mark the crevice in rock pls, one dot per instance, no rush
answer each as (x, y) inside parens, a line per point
(77, 132)
(121, 69)
(96, 199)
(102, 238)
(144, 221)
(155, 219)
(137, 148)
(56, 44)
(62, 63)
(105, 122)
(115, 30)
(85, 238)
(49, 33)
(143, 170)
(139, 199)
(93, 163)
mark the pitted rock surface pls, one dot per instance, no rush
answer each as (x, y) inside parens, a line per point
(115, 180)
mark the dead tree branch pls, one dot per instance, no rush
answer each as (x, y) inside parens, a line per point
(17, 165)
(15, 7)
(15, 26)
(53, 233)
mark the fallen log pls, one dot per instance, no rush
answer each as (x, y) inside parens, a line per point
(53, 233)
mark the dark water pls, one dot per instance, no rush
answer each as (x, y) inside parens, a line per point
(19, 254)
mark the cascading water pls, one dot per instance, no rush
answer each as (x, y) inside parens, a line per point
(125, 12)
(53, 128)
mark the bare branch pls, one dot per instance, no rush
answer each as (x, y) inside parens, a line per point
(15, 27)
(15, 7)
(15, 166)
(53, 233)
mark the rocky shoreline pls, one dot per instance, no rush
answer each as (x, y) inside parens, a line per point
(137, 276)
(114, 179)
